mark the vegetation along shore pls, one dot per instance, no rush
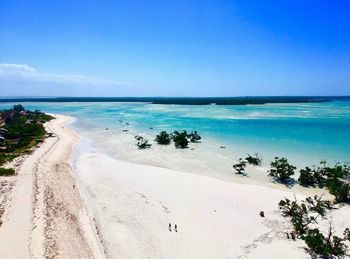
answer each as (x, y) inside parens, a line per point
(20, 132)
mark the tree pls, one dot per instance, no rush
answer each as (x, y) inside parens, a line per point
(180, 139)
(281, 170)
(163, 138)
(240, 167)
(254, 160)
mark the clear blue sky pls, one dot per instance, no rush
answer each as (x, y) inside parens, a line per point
(174, 48)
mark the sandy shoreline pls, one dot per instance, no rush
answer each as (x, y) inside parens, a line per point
(45, 216)
(134, 203)
(51, 212)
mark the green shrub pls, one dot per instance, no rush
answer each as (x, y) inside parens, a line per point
(254, 160)
(2, 160)
(289, 208)
(163, 138)
(180, 139)
(336, 182)
(340, 189)
(334, 178)
(240, 167)
(281, 170)
(299, 214)
(326, 246)
(316, 204)
(338, 171)
(6, 171)
(21, 131)
(302, 220)
(306, 177)
(314, 177)
(194, 137)
(142, 143)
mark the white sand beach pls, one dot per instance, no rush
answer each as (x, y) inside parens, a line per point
(115, 209)
(44, 215)
(216, 219)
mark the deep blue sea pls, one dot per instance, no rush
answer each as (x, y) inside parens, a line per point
(303, 132)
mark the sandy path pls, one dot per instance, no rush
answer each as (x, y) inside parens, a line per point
(46, 217)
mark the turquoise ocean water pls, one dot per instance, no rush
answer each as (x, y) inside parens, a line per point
(303, 132)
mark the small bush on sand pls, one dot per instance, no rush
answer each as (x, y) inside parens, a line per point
(281, 170)
(180, 139)
(340, 189)
(240, 167)
(339, 171)
(316, 204)
(318, 176)
(142, 143)
(303, 215)
(299, 214)
(289, 208)
(254, 160)
(329, 246)
(301, 222)
(163, 138)
(306, 177)
(194, 137)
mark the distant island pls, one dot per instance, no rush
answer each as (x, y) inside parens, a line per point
(184, 100)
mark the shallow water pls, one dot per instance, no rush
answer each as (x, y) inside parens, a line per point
(305, 133)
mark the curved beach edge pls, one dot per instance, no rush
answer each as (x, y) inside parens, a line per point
(45, 214)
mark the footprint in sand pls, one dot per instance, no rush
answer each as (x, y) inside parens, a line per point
(166, 210)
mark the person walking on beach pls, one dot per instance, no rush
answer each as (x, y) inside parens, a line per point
(169, 227)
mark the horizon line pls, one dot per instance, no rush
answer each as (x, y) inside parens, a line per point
(237, 96)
